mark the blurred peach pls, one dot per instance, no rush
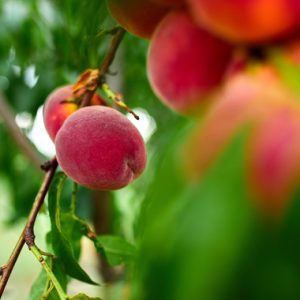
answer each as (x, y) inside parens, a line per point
(258, 102)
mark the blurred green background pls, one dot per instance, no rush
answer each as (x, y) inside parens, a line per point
(201, 241)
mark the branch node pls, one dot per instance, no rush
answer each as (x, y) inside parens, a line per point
(2, 270)
(29, 237)
(46, 166)
(91, 235)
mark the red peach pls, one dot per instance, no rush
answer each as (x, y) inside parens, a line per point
(138, 17)
(250, 21)
(56, 110)
(185, 62)
(243, 99)
(100, 148)
(235, 106)
(259, 102)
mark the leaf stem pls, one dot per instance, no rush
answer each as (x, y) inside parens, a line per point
(74, 198)
(117, 99)
(51, 276)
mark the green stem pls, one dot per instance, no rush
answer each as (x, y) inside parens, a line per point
(51, 276)
(109, 93)
(74, 198)
(58, 197)
(117, 99)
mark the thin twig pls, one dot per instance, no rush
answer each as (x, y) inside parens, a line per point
(31, 219)
(117, 38)
(28, 233)
(104, 67)
(25, 145)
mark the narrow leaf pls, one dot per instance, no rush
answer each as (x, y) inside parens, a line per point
(61, 245)
(83, 297)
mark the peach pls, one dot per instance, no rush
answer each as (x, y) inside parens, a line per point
(137, 17)
(100, 148)
(237, 103)
(56, 110)
(247, 21)
(185, 62)
(259, 102)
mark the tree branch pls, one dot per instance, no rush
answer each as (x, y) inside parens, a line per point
(104, 67)
(6, 271)
(27, 235)
(25, 145)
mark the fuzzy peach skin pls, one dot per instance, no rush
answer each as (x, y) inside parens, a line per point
(56, 111)
(137, 17)
(247, 21)
(100, 148)
(185, 62)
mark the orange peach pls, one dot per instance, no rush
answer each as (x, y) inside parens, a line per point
(58, 108)
(247, 21)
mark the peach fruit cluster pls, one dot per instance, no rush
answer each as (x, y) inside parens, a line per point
(193, 42)
(213, 59)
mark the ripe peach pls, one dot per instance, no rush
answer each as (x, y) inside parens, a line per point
(138, 17)
(236, 104)
(56, 110)
(100, 148)
(250, 21)
(185, 62)
(259, 102)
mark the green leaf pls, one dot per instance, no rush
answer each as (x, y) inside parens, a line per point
(38, 287)
(83, 297)
(115, 249)
(61, 245)
(191, 247)
(73, 230)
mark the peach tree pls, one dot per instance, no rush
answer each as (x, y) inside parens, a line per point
(200, 199)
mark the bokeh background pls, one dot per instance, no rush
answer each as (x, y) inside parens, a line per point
(203, 240)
